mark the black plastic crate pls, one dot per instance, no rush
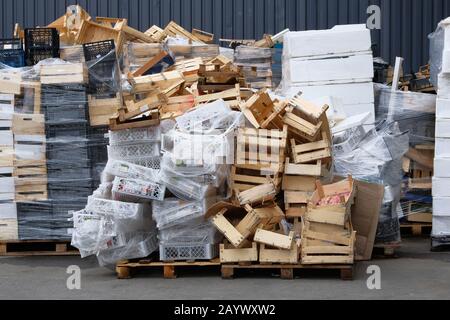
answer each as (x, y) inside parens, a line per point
(98, 50)
(41, 38)
(14, 58)
(57, 174)
(34, 56)
(10, 44)
(66, 129)
(63, 164)
(65, 113)
(63, 95)
(69, 150)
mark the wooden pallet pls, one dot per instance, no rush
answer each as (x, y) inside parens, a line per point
(415, 229)
(36, 248)
(287, 270)
(125, 269)
(386, 250)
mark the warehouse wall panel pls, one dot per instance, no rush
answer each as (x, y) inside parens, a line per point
(405, 24)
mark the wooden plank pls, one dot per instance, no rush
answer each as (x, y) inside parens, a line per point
(326, 259)
(299, 183)
(333, 215)
(149, 64)
(314, 170)
(327, 250)
(274, 239)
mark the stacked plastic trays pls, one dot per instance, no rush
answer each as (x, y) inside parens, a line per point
(68, 160)
(194, 169)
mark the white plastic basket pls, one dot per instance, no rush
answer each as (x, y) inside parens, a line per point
(134, 189)
(124, 152)
(130, 136)
(182, 251)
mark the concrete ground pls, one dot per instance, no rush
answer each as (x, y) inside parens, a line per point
(416, 273)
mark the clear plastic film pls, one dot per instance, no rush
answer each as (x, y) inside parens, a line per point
(414, 112)
(377, 158)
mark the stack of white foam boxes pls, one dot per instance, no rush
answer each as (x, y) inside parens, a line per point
(336, 63)
(441, 179)
(8, 211)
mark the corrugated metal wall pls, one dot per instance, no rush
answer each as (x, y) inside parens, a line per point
(404, 27)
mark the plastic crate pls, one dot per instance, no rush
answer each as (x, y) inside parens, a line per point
(129, 190)
(67, 129)
(10, 44)
(56, 174)
(67, 151)
(149, 162)
(63, 95)
(41, 38)
(130, 136)
(97, 50)
(122, 152)
(56, 114)
(182, 251)
(14, 58)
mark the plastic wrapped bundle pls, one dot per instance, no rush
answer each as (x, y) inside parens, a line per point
(125, 189)
(377, 158)
(129, 170)
(414, 112)
(175, 212)
(134, 245)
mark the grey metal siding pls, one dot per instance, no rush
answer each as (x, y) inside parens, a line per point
(404, 27)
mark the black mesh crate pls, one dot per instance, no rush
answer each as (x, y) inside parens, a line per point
(56, 174)
(65, 113)
(99, 50)
(40, 44)
(66, 130)
(104, 77)
(70, 188)
(68, 150)
(63, 95)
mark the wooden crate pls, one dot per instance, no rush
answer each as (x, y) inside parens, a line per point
(10, 83)
(173, 29)
(94, 32)
(64, 73)
(8, 230)
(230, 254)
(101, 110)
(326, 244)
(156, 33)
(244, 179)
(261, 149)
(6, 156)
(31, 96)
(28, 124)
(259, 194)
(144, 121)
(261, 111)
(295, 203)
(204, 36)
(7, 101)
(276, 255)
(318, 152)
(31, 189)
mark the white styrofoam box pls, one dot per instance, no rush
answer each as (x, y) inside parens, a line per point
(442, 128)
(441, 167)
(442, 148)
(357, 109)
(8, 210)
(441, 226)
(440, 187)
(443, 108)
(328, 70)
(446, 61)
(441, 206)
(338, 40)
(349, 93)
(6, 138)
(7, 185)
(29, 151)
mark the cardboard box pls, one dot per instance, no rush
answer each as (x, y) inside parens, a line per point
(442, 128)
(440, 187)
(441, 167)
(443, 108)
(441, 226)
(442, 148)
(441, 206)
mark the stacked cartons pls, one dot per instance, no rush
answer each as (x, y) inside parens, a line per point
(441, 178)
(336, 62)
